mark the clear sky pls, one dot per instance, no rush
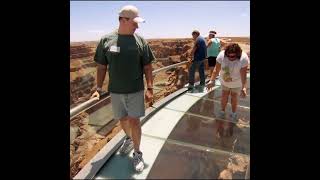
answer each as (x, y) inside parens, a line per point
(89, 20)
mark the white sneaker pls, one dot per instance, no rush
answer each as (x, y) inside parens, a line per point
(127, 146)
(138, 162)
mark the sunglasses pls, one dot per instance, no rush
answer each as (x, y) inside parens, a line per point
(232, 56)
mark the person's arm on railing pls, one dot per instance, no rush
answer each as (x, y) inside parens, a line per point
(101, 74)
(214, 74)
(194, 48)
(102, 63)
(216, 71)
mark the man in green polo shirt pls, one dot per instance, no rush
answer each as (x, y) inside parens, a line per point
(127, 57)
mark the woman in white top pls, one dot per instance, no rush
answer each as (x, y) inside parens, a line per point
(233, 64)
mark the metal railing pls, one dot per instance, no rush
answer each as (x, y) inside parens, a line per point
(169, 67)
(87, 104)
(91, 102)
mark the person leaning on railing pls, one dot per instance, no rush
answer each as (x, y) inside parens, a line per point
(128, 56)
(233, 63)
(213, 49)
(199, 53)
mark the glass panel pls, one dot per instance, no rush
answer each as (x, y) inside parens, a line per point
(186, 162)
(211, 108)
(216, 134)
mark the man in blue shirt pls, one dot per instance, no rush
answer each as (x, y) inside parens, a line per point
(199, 53)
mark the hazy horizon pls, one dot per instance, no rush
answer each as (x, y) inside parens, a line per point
(164, 38)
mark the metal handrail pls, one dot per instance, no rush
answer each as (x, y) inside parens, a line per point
(84, 106)
(87, 104)
(169, 67)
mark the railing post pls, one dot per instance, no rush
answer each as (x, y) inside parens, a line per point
(248, 171)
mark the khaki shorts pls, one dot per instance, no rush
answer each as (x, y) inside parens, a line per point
(131, 104)
(233, 90)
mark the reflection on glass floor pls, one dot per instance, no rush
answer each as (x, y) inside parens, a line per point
(187, 162)
(185, 140)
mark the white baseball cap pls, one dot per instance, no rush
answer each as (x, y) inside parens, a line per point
(212, 33)
(131, 12)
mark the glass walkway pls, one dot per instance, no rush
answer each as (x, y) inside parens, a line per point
(183, 139)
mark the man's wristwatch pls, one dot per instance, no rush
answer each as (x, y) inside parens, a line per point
(99, 90)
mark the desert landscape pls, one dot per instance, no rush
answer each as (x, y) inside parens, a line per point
(85, 142)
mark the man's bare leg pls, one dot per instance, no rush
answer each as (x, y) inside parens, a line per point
(125, 125)
(135, 132)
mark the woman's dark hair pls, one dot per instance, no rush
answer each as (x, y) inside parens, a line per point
(233, 48)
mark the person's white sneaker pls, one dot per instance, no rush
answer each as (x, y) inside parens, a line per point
(138, 162)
